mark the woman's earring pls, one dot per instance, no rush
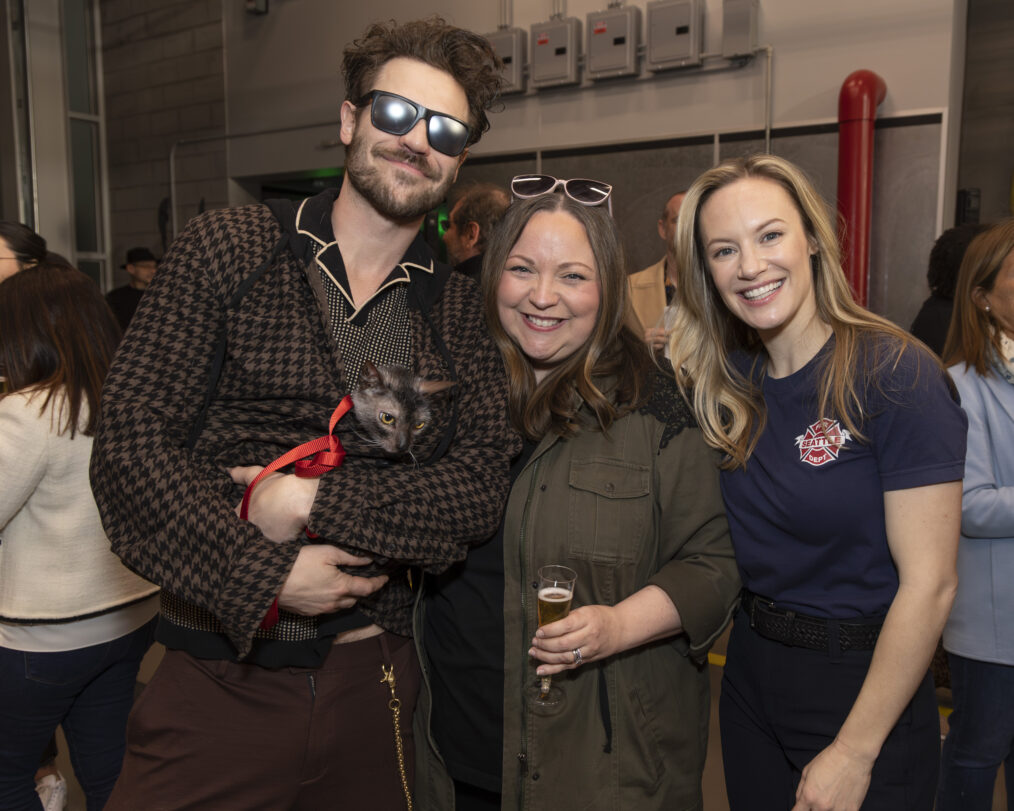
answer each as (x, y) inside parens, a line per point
(987, 308)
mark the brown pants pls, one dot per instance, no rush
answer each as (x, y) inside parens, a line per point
(220, 735)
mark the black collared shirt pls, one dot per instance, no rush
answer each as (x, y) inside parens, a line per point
(377, 329)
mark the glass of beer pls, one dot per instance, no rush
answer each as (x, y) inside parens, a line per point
(556, 588)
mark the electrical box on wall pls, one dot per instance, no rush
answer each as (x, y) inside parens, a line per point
(554, 50)
(509, 44)
(739, 27)
(612, 39)
(675, 31)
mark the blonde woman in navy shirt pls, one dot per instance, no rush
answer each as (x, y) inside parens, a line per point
(844, 450)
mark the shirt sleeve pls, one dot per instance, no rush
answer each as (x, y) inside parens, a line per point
(916, 426)
(23, 445)
(699, 574)
(169, 513)
(987, 506)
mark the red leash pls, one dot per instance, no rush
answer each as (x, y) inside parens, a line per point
(326, 454)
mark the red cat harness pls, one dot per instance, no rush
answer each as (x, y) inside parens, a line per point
(326, 453)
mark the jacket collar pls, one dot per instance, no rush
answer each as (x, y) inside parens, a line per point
(312, 240)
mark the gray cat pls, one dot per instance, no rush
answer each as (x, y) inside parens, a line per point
(391, 406)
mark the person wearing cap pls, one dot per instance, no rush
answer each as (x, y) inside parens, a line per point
(140, 266)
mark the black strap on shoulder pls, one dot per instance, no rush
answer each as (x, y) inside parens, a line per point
(452, 425)
(221, 343)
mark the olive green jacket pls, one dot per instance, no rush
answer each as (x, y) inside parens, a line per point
(638, 505)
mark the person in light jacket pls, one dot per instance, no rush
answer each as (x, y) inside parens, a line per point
(616, 483)
(979, 635)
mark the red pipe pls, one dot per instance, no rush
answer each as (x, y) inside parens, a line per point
(860, 95)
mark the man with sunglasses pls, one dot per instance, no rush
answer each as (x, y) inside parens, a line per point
(284, 655)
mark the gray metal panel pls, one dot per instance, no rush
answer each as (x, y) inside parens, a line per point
(554, 52)
(612, 40)
(739, 27)
(674, 33)
(509, 45)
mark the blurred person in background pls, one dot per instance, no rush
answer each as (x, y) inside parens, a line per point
(74, 622)
(471, 221)
(979, 635)
(21, 247)
(934, 318)
(140, 266)
(652, 290)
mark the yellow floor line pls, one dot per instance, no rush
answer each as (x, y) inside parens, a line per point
(718, 660)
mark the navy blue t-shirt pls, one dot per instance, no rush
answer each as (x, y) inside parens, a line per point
(807, 513)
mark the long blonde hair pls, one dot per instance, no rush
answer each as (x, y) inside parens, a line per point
(972, 337)
(729, 405)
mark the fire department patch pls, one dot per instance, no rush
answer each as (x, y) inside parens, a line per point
(822, 442)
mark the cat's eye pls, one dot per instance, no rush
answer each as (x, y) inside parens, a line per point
(420, 425)
(387, 419)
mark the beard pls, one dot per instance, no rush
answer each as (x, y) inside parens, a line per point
(396, 198)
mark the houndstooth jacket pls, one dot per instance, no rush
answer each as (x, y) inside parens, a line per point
(169, 511)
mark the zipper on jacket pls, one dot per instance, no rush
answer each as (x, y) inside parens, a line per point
(522, 541)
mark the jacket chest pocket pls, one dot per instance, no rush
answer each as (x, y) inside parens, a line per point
(609, 509)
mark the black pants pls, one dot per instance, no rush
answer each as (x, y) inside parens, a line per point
(781, 706)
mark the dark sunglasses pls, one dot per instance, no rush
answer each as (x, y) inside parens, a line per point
(580, 190)
(397, 115)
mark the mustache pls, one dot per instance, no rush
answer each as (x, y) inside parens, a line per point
(411, 158)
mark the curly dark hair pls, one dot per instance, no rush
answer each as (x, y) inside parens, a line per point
(468, 57)
(945, 258)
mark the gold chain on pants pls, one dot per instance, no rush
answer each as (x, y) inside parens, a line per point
(395, 706)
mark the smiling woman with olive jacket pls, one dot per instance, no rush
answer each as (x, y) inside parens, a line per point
(618, 485)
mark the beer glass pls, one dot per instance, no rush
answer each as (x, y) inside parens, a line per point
(556, 588)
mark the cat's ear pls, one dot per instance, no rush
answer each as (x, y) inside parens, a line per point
(428, 387)
(369, 377)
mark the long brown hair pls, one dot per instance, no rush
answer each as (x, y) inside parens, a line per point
(729, 406)
(972, 337)
(612, 352)
(57, 335)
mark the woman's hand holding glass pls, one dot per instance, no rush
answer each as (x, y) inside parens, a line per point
(595, 630)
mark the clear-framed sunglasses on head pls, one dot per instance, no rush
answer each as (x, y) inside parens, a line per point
(580, 190)
(397, 115)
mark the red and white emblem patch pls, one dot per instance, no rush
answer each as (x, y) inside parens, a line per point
(822, 442)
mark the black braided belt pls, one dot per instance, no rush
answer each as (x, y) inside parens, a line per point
(803, 631)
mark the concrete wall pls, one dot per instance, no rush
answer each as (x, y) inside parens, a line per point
(987, 140)
(816, 45)
(164, 82)
(652, 134)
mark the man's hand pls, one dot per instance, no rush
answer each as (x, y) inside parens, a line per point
(656, 338)
(316, 585)
(280, 504)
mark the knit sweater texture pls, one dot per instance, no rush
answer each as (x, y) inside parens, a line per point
(55, 561)
(170, 511)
